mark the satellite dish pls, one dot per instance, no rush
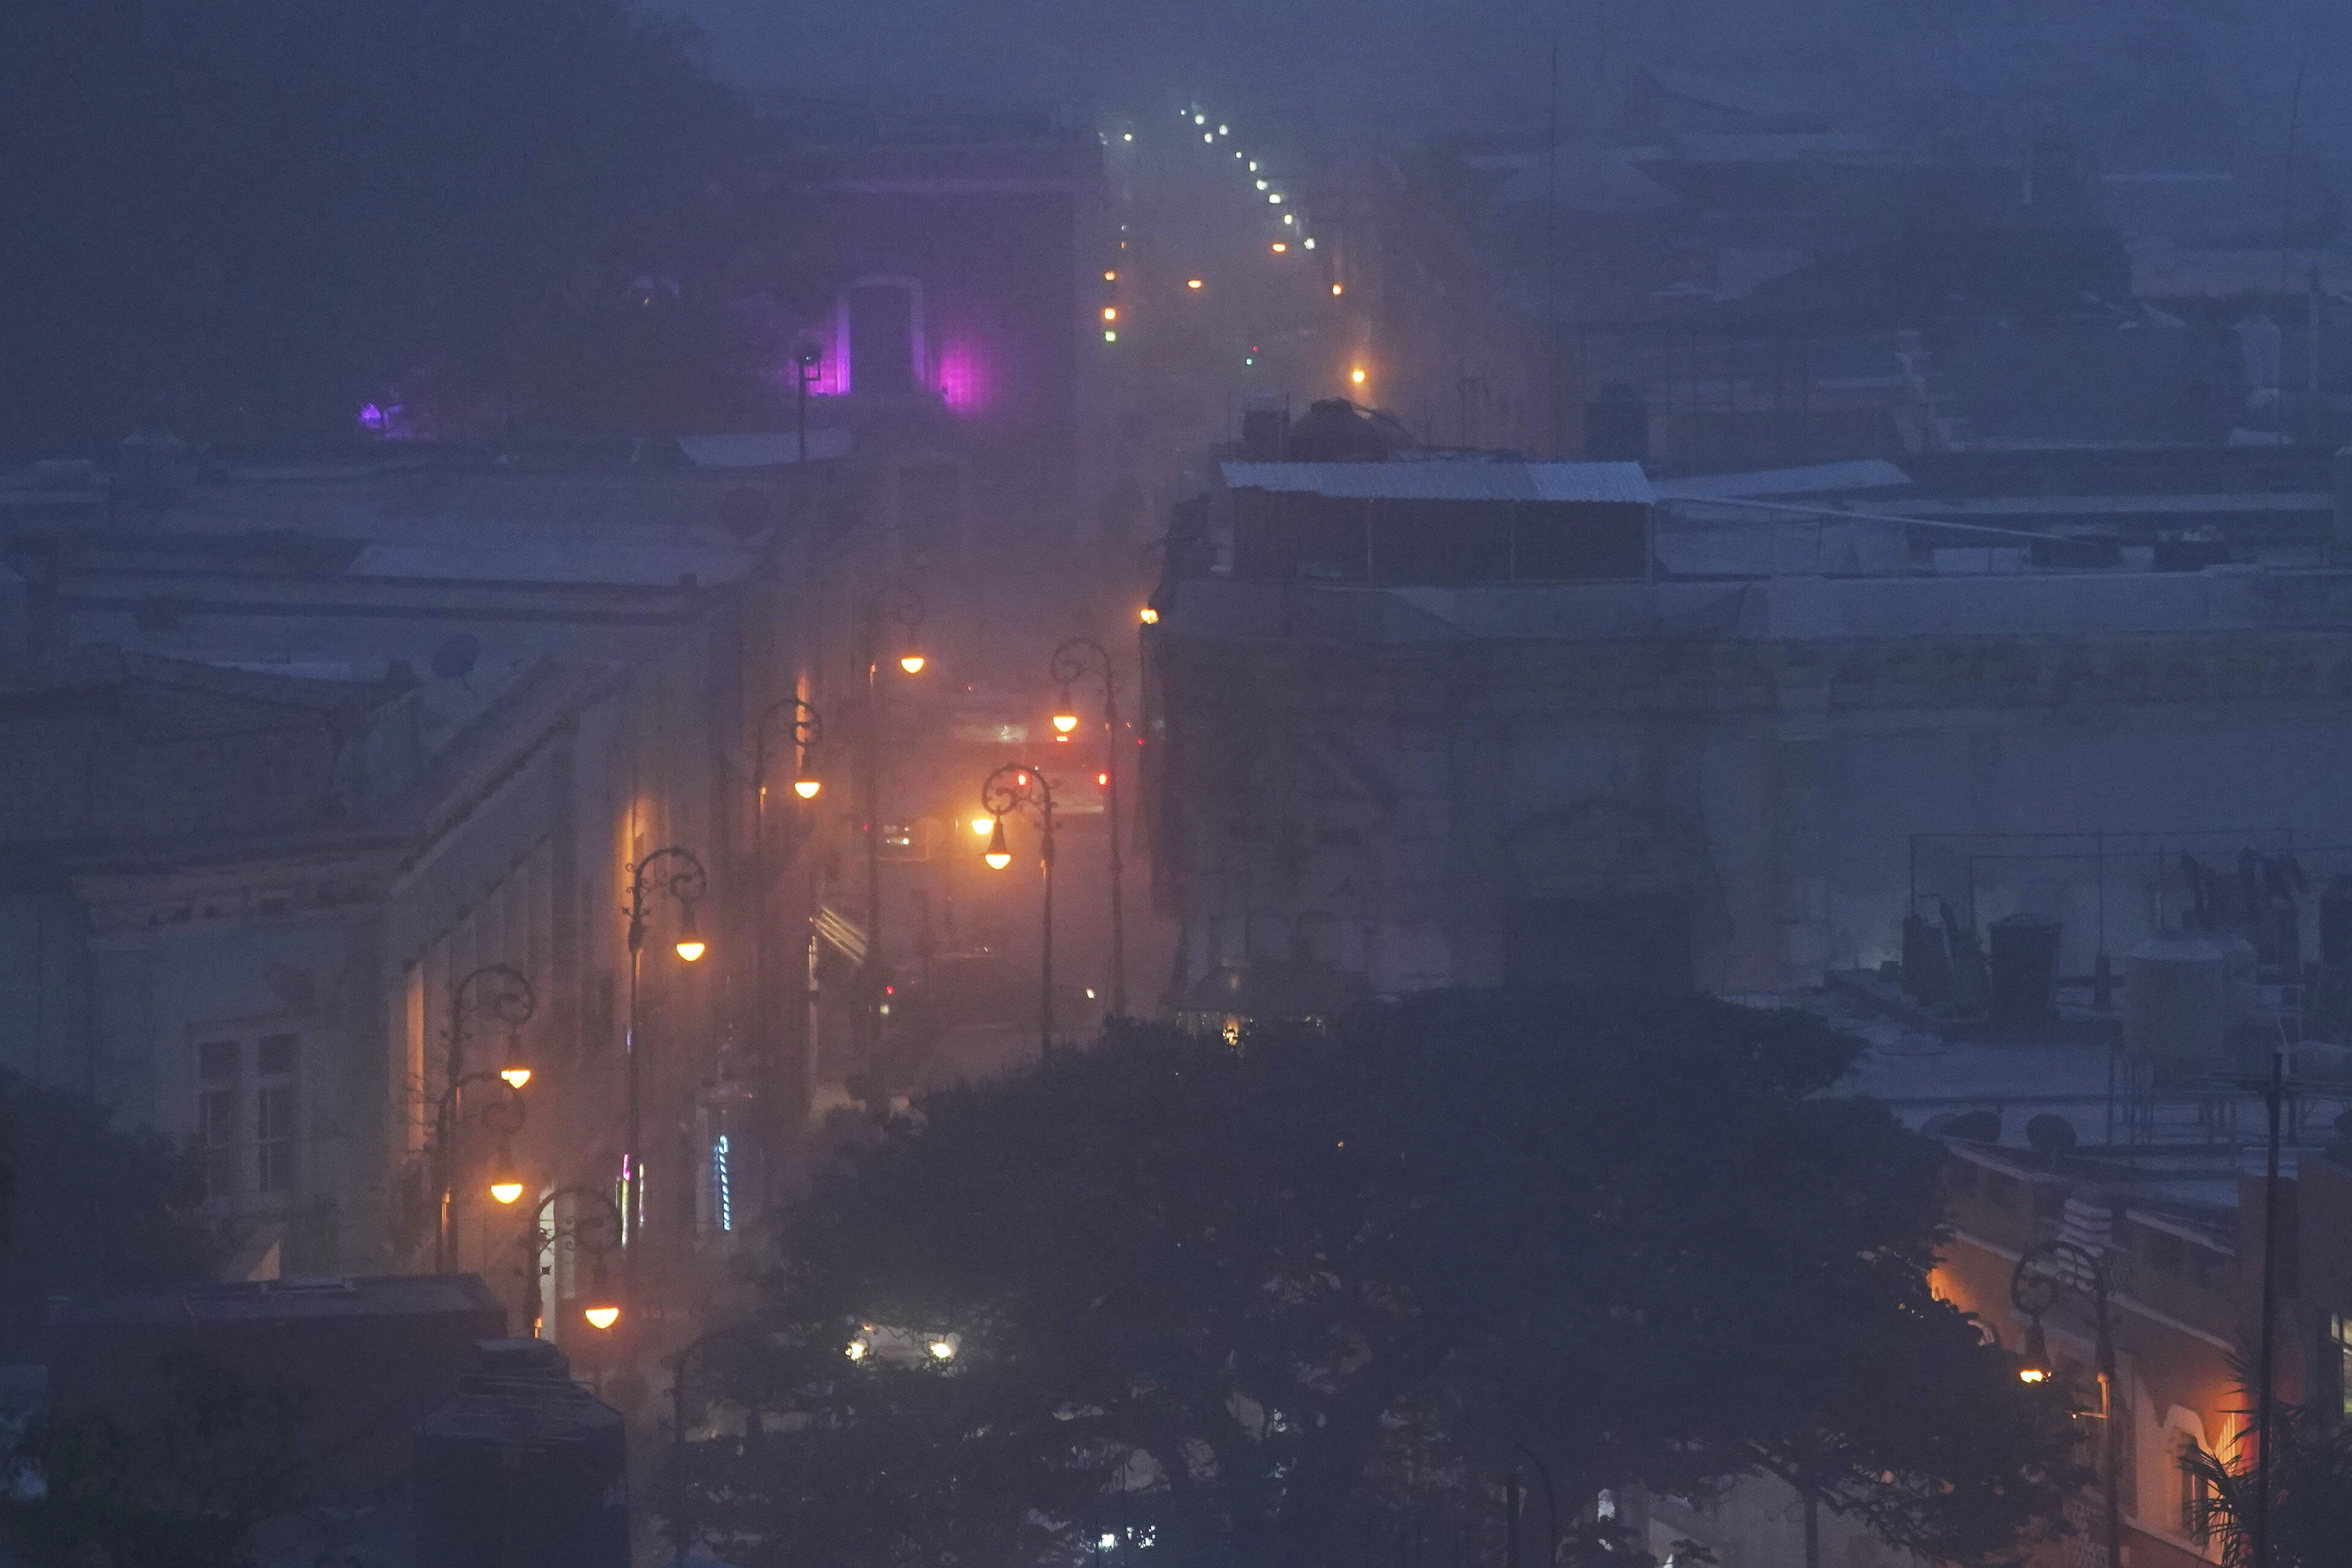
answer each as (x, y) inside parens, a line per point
(454, 658)
(2050, 1134)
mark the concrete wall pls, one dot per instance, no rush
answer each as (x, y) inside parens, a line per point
(1413, 779)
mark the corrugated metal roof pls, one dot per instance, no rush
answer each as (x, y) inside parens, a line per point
(647, 565)
(1819, 479)
(1449, 480)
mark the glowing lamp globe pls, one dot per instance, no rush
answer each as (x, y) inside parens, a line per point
(911, 662)
(855, 1350)
(506, 1192)
(942, 1349)
(1065, 722)
(515, 1076)
(806, 788)
(981, 824)
(998, 856)
(1148, 616)
(2036, 1361)
(602, 1317)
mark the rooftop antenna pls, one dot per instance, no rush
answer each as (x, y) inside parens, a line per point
(1551, 261)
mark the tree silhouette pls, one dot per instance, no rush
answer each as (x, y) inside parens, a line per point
(1273, 1304)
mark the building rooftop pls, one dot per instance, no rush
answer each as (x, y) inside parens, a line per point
(277, 1300)
(1464, 479)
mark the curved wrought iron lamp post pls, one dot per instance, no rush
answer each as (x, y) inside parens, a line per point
(2043, 1271)
(506, 994)
(684, 879)
(1009, 789)
(903, 608)
(503, 1115)
(1551, 1506)
(1074, 661)
(599, 1230)
(807, 735)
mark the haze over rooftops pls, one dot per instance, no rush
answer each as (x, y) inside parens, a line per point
(1449, 479)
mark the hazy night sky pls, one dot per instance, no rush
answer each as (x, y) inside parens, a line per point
(2130, 74)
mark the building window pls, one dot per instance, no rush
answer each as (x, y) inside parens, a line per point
(2196, 1497)
(274, 1115)
(216, 1101)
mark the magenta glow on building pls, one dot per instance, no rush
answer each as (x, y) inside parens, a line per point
(963, 377)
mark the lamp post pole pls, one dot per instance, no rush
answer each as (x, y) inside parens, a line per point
(807, 731)
(512, 1001)
(684, 879)
(1073, 661)
(599, 1230)
(679, 1530)
(903, 606)
(805, 360)
(506, 1117)
(1552, 1504)
(2033, 1287)
(1008, 789)
(2274, 1093)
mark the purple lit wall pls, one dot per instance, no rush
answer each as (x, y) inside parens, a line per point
(964, 376)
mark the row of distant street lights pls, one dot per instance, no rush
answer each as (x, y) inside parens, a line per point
(603, 1226)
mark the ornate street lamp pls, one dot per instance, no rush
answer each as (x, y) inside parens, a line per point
(684, 879)
(504, 993)
(596, 1228)
(897, 606)
(1074, 661)
(503, 1115)
(2042, 1273)
(1009, 789)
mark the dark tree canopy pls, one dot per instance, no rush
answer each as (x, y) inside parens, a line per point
(247, 217)
(1260, 1305)
(89, 1207)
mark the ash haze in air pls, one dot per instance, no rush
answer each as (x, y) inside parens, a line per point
(1230, 784)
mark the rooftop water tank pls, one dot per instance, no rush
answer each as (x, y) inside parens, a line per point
(2176, 997)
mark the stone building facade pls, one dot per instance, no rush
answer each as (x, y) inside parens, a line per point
(1422, 783)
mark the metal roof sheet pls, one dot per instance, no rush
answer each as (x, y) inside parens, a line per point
(632, 565)
(1818, 479)
(1449, 480)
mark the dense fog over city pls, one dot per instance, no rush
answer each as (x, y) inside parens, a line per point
(1190, 785)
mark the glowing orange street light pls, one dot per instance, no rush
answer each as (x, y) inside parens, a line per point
(1357, 376)
(806, 788)
(1337, 290)
(999, 856)
(1192, 283)
(1148, 616)
(603, 1316)
(1110, 312)
(691, 945)
(1110, 277)
(981, 824)
(1065, 722)
(505, 1185)
(1279, 247)
(516, 1076)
